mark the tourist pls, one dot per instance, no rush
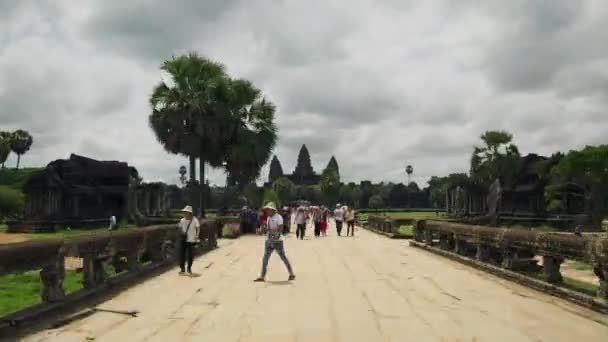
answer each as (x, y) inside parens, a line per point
(286, 214)
(274, 242)
(189, 229)
(323, 225)
(244, 219)
(350, 222)
(316, 220)
(113, 224)
(263, 219)
(300, 219)
(339, 218)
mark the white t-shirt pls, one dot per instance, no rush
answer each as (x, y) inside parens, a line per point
(339, 214)
(275, 227)
(194, 230)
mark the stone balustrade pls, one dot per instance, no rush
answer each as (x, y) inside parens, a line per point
(515, 249)
(386, 224)
(124, 250)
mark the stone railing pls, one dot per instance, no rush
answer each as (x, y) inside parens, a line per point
(515, 249)
(386, 224)
(126, 250)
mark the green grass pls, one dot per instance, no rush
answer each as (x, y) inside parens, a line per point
(570, 284)
(18, 291)
(406, 215)
(582, 266)
(74, 232)
(406, 230)
(3, 228)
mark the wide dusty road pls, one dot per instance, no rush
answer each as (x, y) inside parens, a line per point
(367, 288)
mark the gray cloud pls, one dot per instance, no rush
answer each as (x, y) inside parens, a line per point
(378, 85)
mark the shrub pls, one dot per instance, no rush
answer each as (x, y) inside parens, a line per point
(11, 201)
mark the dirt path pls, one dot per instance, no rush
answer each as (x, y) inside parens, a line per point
(367, 288)
(12, 238)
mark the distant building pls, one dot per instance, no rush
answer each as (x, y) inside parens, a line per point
(303, 174)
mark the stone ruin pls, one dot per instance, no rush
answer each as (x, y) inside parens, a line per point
(522, 202)
(83, 192)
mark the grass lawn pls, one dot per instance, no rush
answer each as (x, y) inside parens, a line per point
(18, 291)
(582, 266)
(3, 228)
(571, 284)
(408, 215)
(406, 230)
(74, 232)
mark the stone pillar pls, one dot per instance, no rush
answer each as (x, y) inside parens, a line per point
(52, 276)
(428, 237)
(601, 271)
(508, 259)
(551, 269)
(459, 247)
(93, 271)
(419, 231)
(444, 242)
(483, 253)
(133, 263)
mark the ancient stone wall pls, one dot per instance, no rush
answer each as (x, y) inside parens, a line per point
(516, 249)
(125, 250)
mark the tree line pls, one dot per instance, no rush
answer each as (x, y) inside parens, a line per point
(17, 142)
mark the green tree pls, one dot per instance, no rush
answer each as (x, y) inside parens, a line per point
(184, 105)
(201, 112)
(21, 141)
(409, 170)
(376, 202)
(11, 202)
(5, 150)
(497, 159)
(285, 189)
(254, 195)
(589, 169)
(330, 186)
(5, 146)
(271, 196)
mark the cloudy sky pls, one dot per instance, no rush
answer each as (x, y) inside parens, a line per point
(378, 84)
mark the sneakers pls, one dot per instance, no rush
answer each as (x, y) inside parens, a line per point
(259, 280)
(292, 277)
(182, 272)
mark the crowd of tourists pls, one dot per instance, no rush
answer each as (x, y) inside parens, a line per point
(276, 224)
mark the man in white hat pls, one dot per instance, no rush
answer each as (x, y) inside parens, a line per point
(189, 230)
(274, 242)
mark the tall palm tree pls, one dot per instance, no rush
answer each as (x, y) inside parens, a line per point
(181, 109)
(21, 141)
(409, 170)
(5, 150)
(182, 174)
(256, 134)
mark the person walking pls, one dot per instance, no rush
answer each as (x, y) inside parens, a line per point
(316, 219)
(339, 218)
(300, 223)
(286, 215)
(323, 225)
(274, 242)
(189, 231)
(350, 222)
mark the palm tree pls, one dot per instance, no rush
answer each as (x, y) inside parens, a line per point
(256, 134)
(181, 109)
(409, 170)
(5, 150)
(204, 113)
(21, 141)
(182, 174)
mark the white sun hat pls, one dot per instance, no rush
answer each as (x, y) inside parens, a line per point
(187, 209)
